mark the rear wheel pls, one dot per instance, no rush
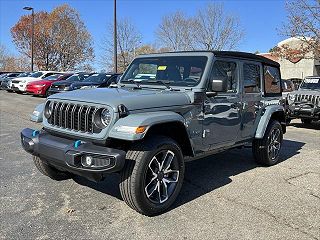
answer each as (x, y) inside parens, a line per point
(49, 171)
(266, 151)
(153, 174)
(306, 121)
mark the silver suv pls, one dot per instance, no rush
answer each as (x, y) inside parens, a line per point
(305, 102)
(166, 110)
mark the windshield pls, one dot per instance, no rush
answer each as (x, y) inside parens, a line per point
(26, 74)
(98, 78)
(77, 77)
(174, 71)
(53, 77)
(310, 83)
(36, 74)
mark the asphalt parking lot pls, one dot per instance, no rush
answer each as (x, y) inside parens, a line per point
(226, 196)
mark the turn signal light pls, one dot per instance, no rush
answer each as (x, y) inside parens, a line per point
(141, 129)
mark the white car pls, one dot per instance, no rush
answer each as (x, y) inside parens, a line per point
(19, 84)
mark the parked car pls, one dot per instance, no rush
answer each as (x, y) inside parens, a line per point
(8, 76)
(92, 81)
(305, 102)
(7, 82)
(19, 84)
(42, 86)
(199, 103)
(66, 85)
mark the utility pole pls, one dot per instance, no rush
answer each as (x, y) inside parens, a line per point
(32, 33)
(115, 54)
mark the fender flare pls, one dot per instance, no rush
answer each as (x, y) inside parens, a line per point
(148, 119)
(265, 119)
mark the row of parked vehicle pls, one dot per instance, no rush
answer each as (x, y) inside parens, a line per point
(45, 83)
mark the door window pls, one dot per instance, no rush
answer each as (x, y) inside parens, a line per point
(226, 70)
(272, 82)
(251, 76)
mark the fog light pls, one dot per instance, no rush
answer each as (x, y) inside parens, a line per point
(87, 161)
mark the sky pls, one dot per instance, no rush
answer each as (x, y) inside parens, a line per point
(260, 19)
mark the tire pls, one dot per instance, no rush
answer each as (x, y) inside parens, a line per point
(306, 121)
(266, 151)
(49, 171)
(9, 90)
(142, 177)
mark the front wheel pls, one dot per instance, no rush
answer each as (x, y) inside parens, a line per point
(266, 151)
(153, 174)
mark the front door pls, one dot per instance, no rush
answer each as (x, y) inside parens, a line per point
(221, 113)
(251, 98)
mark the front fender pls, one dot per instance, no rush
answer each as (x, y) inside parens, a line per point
(125, 127)
(265, 119)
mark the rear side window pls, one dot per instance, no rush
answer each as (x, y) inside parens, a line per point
(272, 83)
(251, 76)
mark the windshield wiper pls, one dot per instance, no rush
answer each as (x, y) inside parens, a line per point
(164, 83)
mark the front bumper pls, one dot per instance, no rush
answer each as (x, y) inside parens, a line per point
(65, 155)
(54, 91)
(36, 90)
(306, 111)
(18, 87)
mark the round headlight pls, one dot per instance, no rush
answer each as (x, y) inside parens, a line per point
(291, 97)
(105, 117)
(48, 109)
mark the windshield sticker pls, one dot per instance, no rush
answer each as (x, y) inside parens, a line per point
(162, 68)
(311, 80)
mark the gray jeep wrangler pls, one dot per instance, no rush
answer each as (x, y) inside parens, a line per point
(167, 109)
(305, 102)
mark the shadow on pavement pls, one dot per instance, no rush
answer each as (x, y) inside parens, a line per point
(312, 125)
(203, 175)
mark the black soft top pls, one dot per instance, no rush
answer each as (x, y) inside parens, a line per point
(245, 55)
(235, 54)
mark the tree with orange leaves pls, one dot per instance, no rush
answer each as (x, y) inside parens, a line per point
(61, 40)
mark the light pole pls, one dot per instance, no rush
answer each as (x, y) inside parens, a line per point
(115, 54)
(32, 33)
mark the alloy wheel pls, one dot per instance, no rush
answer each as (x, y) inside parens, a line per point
(274, 143)
(161, 177)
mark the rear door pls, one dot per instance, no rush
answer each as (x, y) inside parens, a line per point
(251, 97)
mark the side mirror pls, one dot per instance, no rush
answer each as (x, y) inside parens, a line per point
(219, 85)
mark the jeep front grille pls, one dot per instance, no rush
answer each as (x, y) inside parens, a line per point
(307, 98)
(73, 117)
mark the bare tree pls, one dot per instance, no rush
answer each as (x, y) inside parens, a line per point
(304, 22)
(128, 41)
(9, 62)
(216, 30)
(175, 32)
(210, 29)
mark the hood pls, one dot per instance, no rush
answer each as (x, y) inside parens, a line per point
(39, 82)
(315, 92)
(133, 99)
(27, 79)
(63, 83)
(80, 84)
